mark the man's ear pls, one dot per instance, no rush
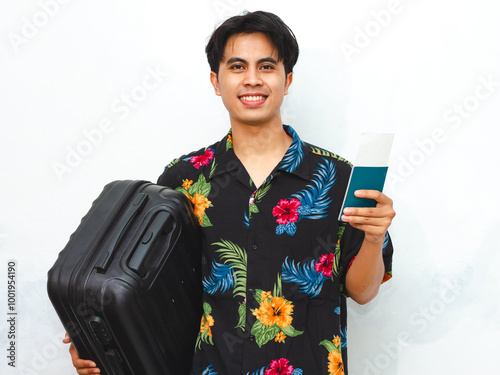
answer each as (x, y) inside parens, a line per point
(288, 82)
(215, 82)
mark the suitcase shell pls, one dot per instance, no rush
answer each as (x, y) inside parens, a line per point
(127, 286)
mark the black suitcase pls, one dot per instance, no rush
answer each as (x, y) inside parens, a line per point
(127, 286)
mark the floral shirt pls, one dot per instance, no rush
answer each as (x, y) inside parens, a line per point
(274, 260)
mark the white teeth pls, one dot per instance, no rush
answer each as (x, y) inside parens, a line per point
(252, 98)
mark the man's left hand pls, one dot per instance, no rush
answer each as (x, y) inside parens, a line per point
(373, 221)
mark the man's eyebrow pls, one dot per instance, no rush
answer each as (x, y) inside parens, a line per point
(267, 59)
(239, 59)
(236, 59)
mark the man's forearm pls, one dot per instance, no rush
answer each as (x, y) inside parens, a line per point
(366, 273)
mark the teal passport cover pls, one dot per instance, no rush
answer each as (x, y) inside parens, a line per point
(363, 178)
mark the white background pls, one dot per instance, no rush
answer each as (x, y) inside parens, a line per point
(425, 70)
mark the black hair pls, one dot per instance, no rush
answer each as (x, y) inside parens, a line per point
(278, 33)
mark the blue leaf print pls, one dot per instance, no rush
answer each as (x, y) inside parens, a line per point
(295, 153)
(246, 222)
(221, 278)
(306, 276)
(337, 310)
(314, 198)
(386, 241)
(343, 337)
(297, 371)
(209, 371)
(258, 372)
(289, 228)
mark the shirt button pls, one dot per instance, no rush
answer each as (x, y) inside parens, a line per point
(253, 292)
(251, 338)
(254, 246)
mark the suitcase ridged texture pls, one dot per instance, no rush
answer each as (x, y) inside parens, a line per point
(127, 286)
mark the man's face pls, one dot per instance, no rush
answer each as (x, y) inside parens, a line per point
(251, 80)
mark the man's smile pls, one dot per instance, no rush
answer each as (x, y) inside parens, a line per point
(253, 100)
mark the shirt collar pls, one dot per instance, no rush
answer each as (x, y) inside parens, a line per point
(295, 160)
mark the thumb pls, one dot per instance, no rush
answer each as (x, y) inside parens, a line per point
(66, 339)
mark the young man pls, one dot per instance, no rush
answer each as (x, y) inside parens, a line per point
(278, 265)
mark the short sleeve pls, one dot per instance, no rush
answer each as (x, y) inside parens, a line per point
(164, 179)
(351, 242)
(171, 176)
(387, 251)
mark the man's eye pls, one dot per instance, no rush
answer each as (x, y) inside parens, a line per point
(267, 67)
(237, 67)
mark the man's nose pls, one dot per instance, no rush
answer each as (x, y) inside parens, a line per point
(252, 77)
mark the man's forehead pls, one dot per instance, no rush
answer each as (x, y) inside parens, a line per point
(235, 43)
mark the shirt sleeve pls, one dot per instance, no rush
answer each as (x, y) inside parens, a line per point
(164, 179)
(351, 242)
(171, 176)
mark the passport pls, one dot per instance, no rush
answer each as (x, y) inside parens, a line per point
(370, 170)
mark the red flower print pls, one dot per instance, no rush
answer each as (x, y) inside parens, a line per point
(286, 211)
(204, 159)
(279, 367)
(325, 264)
(350, 263)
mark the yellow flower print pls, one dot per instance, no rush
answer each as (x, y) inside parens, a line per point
(336, 341)
(335, 365)
(206, 323)
(186, 184)
(265, 295)
(201, 203)
(198, 192)
(277, 311)
(280, 337)
(274, 316)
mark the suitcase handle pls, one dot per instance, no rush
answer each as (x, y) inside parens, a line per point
(103, 263)
(147, 241)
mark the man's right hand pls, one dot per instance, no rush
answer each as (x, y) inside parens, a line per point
(82, 366)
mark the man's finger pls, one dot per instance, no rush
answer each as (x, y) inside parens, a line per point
(66, 338)
(364, 211)
(86, 371)
(372, 230)
(81, 363)
(373, 194)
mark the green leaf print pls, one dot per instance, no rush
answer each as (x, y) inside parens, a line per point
(207, 309)
(257, 328)
(242, 313)
(236, 257)
(329, 345)
(319, 151)
(174, 162)
(263, 190)
(200, 187)
(337, 269)
(257, 197)
(181, 189)
(266, 334)
(253, 208)
(206, 221)
(291, 332)
(212, 169)
(278, 291)
(258, 295)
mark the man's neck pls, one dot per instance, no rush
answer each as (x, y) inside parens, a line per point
(260, 148)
